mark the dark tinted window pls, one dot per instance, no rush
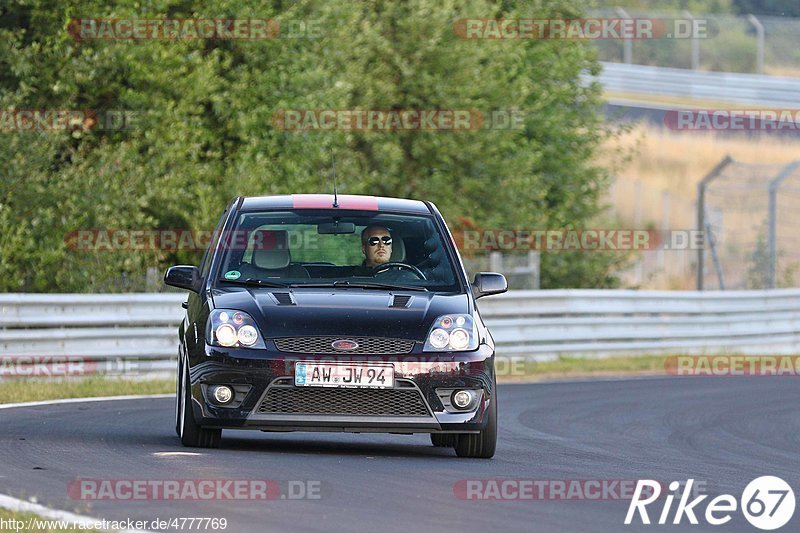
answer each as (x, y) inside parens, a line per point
(312, 246)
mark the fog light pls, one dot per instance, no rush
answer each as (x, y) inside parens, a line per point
(462, 398)
(222, 393)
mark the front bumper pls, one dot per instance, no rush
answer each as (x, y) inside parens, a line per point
(266, 398)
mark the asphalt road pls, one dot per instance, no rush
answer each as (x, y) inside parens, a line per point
(722, 432)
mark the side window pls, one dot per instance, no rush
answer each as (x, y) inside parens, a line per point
(206, 264)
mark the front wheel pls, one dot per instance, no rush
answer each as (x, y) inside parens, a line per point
(178, 394)
(480, 445)
(192, 435)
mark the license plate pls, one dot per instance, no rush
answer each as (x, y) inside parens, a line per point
(312, 374)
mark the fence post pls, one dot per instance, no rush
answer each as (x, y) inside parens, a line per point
(627, 44)
(695, 42)
(637, 223)
(759, 42)
(772, 248)
(701, 219)
(665, 212)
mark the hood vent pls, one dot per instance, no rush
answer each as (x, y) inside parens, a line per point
(400, 300)
(284, 298)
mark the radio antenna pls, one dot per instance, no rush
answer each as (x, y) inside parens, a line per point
(333, 174)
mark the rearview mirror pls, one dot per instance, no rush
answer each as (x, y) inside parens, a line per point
(184, 277)
(487, 283)
(336, 228)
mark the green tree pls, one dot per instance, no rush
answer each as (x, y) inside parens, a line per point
(204, 128)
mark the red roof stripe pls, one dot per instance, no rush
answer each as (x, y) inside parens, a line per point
(325, 201)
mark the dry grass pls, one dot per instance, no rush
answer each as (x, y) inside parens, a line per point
(24, 390)
(666, 166)
(666, 160)
(566, 367)
(782, 70)
(680, 102)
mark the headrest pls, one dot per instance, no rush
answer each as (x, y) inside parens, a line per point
(433, 250)
(398, 250)
(271, 249)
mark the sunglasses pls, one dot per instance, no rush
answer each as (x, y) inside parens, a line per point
(373, 241)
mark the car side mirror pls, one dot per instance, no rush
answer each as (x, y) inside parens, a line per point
(488, 283)
(184, 277)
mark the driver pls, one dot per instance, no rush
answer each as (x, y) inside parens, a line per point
(376, 245)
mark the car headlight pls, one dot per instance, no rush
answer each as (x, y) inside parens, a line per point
(230, 328)
(452, 333)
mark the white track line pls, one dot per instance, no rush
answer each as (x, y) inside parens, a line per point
(82, 400)
(21, 506)
(74, 520)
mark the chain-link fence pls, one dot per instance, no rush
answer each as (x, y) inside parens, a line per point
(735, 44)
(751, 217)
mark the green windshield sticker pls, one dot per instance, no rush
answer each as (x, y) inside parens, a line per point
(233, 274)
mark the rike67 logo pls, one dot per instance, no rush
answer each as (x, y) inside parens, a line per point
(767, 503)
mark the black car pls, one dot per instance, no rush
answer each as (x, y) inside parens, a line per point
(335, 313)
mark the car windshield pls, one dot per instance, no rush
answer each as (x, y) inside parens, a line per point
(336, 248)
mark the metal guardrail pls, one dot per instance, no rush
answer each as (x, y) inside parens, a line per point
(749, 89)
(541, 325)
(138, 332)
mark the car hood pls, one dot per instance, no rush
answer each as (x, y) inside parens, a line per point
(341, 311)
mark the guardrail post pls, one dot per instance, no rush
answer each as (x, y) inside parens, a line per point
(701, 218)
(496, 262)
(535, 266)
(759, 42)
(627, 44)
(772, 247)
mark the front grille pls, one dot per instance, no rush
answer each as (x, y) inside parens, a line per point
(330, 401)
(322, 345)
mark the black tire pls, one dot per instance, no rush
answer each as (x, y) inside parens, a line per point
(178, 391)
(191, 434)
(480, 445)
(443, 440)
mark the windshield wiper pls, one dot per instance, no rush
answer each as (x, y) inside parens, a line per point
(254, 282)
(360, 285)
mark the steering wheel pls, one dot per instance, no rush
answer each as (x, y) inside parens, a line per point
(398, 264)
